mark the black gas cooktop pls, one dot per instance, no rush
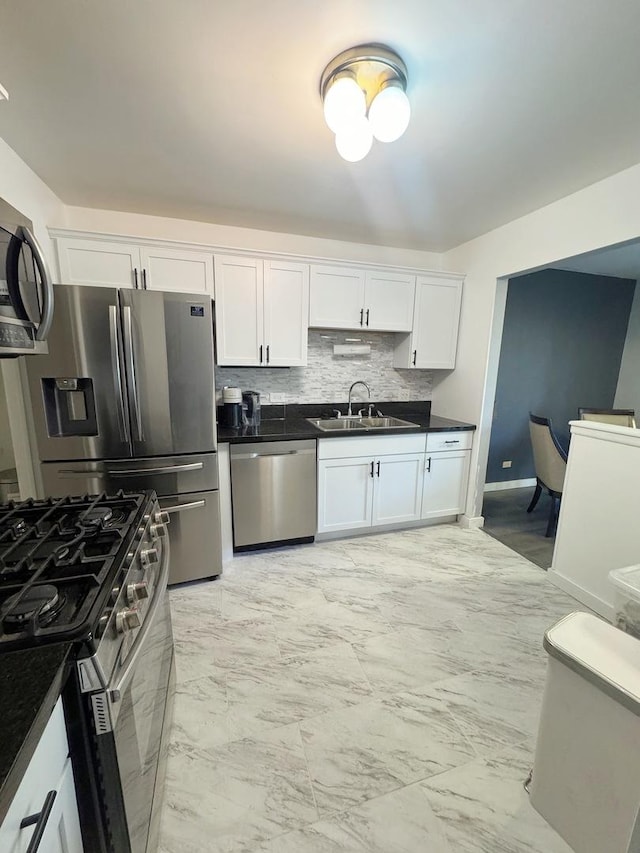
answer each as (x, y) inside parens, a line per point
(58, 559)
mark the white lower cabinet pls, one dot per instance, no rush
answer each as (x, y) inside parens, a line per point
(345, 494)
(397, 488)
(446, 474)
(47, 780)
(368, 482)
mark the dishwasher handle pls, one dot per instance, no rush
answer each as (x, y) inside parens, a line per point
(265, 455)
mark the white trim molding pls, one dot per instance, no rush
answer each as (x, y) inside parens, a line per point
(509, 484)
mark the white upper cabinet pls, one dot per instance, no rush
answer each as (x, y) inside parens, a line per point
(389, 301)
(286, 312)
(98, 262)
(336, 299)
(177, 269)
(351, 298)
(239, 310)
(262, 310)
(106, 263)
(434, 339)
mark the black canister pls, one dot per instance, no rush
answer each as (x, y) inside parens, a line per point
(232, 407)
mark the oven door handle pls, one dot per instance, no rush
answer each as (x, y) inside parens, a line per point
(115, 692)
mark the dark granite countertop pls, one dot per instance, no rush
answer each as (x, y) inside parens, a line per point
(287, 423)
(30, 684)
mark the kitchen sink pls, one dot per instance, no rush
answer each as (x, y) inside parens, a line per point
(341, 424)
(385, 423)
(336, 424)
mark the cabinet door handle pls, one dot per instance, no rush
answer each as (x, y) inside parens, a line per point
(457, 441)
(135, 277)
(371, 472)
(428, 468)
(260, 353)
(144, 279)
(361, 316)
(268, 348)
(378, 471)
(415, 355)
(40, 819)
(367, 316)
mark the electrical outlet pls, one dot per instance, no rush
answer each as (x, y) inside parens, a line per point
(279, 397)
(506, 463)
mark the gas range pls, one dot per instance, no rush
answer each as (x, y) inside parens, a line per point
(58, 560)
(93, 571)
(80, 569)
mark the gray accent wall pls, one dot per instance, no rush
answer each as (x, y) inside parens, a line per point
(628, 390)
(562, 343)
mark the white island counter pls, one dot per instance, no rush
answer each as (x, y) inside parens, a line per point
(599, 523)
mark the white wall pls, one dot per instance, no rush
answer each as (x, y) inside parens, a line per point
(628, 390)
(23, 189)
(158, 227)
(603, 214)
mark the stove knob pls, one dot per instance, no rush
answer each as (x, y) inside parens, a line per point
(137, 591)
(149, 556)
(157, 531)
(127, 620)
(161, 517)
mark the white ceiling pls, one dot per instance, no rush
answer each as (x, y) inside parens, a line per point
(209, 110)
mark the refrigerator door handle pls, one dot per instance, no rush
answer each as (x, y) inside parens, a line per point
(131, 367)
(165, 469)
(117, 375)
(81, 472)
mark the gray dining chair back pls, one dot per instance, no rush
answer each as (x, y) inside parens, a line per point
(550, 463)
(619, 417)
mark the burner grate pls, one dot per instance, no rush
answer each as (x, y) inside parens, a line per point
(76, 545)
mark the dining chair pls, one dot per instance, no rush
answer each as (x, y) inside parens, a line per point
(620, 417)
(550, 462)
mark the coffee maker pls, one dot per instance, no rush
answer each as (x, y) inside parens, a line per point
(231, 407)
(251, 408)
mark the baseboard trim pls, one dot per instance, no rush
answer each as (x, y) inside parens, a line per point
(509, 484)
(587, 598)
(471, 522)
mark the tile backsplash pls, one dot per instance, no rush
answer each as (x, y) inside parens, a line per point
(327, 377)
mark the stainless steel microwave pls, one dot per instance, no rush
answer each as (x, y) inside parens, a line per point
(26, 288)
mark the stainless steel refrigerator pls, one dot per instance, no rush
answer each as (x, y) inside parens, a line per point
(125, 400)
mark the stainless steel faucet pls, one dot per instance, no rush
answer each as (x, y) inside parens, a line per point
(359, 382)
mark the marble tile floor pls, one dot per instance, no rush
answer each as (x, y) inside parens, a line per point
(372, 695)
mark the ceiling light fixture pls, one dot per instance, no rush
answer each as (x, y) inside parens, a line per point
(363, 90)
(4, 95)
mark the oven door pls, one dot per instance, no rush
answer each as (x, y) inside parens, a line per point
(133, 755)
(26, 293)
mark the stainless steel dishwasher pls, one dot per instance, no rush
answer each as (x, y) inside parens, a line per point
(273, 493)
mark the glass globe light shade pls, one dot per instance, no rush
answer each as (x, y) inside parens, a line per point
(389, 113)
(354, 141)
(344, 101)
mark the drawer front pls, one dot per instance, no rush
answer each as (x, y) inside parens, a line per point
(167, 475)
(370, 445)
(455, 440)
